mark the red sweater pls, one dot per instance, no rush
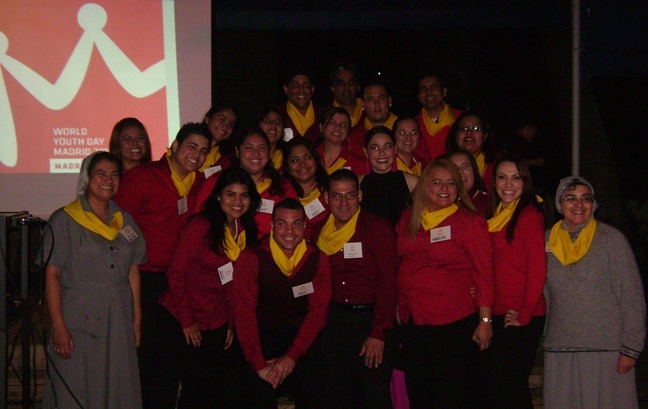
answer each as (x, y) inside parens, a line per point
(520, 267)
(372, 278)
(150, 196)
(358, 164)
(435, 279)
(250, 293)
(195, 293)
(311, 133)
(431, 147)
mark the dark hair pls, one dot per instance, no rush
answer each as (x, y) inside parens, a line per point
(342, 175)
(290, 204)
(225, 147)
(402, 119)
(276, 188)
(380, 129)
(375, 82)
(326, 117)
(527, 197)
(115, 144)
(434, 74)
(478, 180)
(321, 177)
(193, 128)
(212, 211)
(343, 66)
(262, 115)
(489, 141)
(103, 155)
(295, 71)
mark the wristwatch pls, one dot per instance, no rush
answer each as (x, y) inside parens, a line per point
(486, 319)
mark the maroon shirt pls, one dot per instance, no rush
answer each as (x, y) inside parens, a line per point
(311, 133)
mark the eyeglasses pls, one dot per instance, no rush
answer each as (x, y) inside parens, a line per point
(338, 196)
(342, 125)
(474, 128)
(573, 199)
(277, 122)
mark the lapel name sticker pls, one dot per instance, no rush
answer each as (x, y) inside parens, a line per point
(313, 209)
(304, 289)
(266, 206)
(440, 234)
(226, 273)
(183, 206)
(353, 250)
(129, 234)
(212, 171)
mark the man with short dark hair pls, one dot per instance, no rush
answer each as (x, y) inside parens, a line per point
(436, 116)
(161, 197)
(282, 290)
(345, 86)
(362, 250)
(299, 113)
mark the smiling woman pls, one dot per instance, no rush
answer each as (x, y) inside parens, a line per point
(130, 142)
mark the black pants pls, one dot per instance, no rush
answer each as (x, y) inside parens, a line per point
(157, 375)
(513, 354)
(438, 362)
(353, 384)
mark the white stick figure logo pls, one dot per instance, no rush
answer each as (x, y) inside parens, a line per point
(92, 19)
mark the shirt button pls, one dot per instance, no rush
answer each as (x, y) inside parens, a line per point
(343, 283)
(112, 266)
(111, 248)
(346, 300)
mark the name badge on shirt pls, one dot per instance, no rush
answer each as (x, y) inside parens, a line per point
(440, 234)
(303, 289)
(266, 206)
(346, 167)
(353, 250)
(314, 208)
(547, 249)
(212, 171)
(226, 273)
(288, 134)
(183, 206)
(129, 234)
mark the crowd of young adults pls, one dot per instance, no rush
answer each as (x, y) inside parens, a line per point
(343, 255)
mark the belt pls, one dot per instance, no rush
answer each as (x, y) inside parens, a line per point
(355, 307)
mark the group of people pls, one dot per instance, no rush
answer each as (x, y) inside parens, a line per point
(345, 256)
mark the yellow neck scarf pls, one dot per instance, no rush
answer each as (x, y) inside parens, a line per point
(502, 216)
(430, 220)
(90, 221)
(182, 185)
(338, 164)
(445, 119)
(415, 170)
(357, 111)
(277, 159)
(310, 197)
(286, 264)
(301, 122)
(561, 244)
(481, 163)
(233, 247)
(330, 240)
(263, 185)
(389, 123)
(212, 157)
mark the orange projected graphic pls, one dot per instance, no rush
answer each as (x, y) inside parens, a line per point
(69, 70)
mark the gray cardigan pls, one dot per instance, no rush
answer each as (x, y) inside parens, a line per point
(597, 303)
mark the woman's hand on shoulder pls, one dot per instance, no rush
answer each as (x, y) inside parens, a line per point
(63, 342)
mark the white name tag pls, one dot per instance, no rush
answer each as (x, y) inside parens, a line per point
(303, 289)
(129, 234)
(183, 206)
(347, 167)
(266, 206)
(440, 234)
(314, 208)
(226, 273)
(547, 249)
(288, 134)
(212, 171)
(353, 250)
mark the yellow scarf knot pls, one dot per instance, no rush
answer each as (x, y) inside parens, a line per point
(233, 247)
(430, 220)
(90, 221)
(301, 122)
(331, 240)
(445, 119)
(561, 244)
(182, 185)
(286, 264)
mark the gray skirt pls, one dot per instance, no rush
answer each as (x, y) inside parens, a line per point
(587, 380)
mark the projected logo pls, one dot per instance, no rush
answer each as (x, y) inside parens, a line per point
(69, 70)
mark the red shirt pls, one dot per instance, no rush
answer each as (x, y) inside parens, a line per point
(520, 267)
(372, 278)
(311, 133)
(149, 195)
(264, 220)
(310, 223)
(356, 139)
(358, 164)
(431, 147)
(248, 293)
(435, 279)
(195, 294)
